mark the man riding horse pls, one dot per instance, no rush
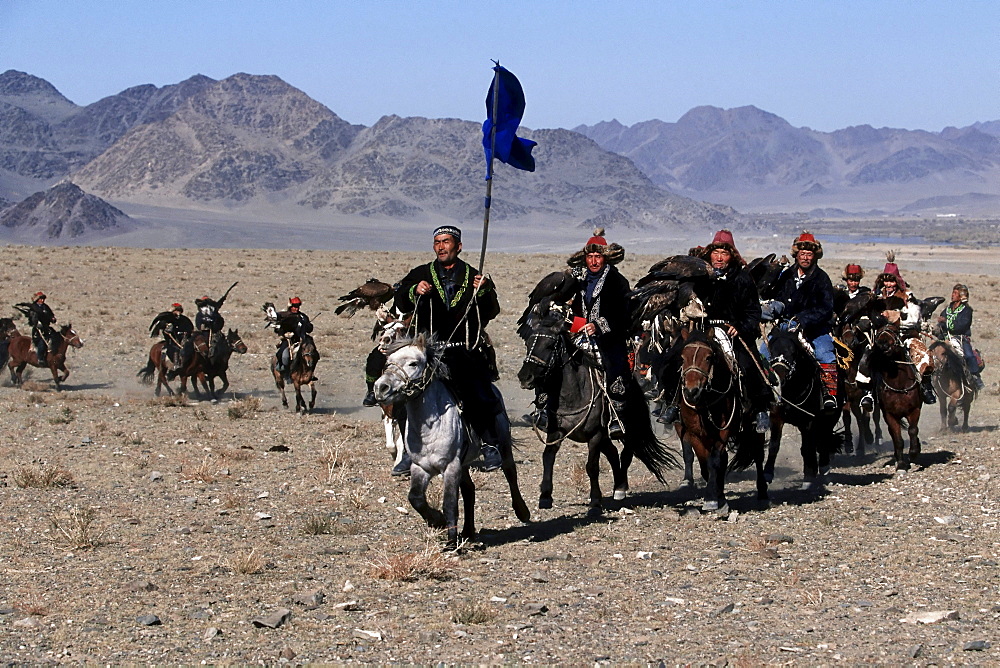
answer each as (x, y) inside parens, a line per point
(175, 328)
(732, 307)
(292, 326)
(802, 298)
(956, 321)
(208, 320)
(41, 318)
(452, 302)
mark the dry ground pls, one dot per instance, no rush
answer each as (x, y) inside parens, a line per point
(210, 515)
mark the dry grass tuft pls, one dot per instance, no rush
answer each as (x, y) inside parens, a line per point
(76, 530)
(317, 524)
(247, 563)
(33, 397)
(202, 472)
(430, 562)
(335, 457)
(244, 409)
(472, 611)
(64, 416)
(42, 476)
(34, 387)
(172, 400)
(236, 454)
(579, 479)
(32, 603)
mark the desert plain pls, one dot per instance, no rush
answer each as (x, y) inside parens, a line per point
(142, 529)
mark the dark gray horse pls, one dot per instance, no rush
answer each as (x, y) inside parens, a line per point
(578, 410)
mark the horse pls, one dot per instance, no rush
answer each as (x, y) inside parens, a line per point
(438, 439)
(800, 403)
(301, 371)
(950, 382)
(898, 392)
(856, 343)
(711, 416)
(156, 364)
(216, 363)
(578, 411)
(21, 351)
(193, 369)
(7, 330)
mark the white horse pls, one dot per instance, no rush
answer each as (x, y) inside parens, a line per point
(438, 440)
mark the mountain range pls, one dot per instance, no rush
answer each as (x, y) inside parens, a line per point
(251, 143)
(756, 161)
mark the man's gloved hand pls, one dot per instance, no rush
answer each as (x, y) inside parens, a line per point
(770, 310)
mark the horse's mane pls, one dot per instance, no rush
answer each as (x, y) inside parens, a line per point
(951, 356)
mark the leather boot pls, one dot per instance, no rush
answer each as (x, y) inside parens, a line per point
(927, 390)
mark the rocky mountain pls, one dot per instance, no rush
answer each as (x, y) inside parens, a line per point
(45, 136)
(248, 140)
(747, 156)
(63, 212)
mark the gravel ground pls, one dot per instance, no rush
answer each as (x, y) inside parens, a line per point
(167, 530)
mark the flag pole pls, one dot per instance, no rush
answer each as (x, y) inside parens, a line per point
(489, 167)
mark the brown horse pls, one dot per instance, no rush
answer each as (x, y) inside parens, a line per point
(712, 415)
(156, 365)
(22, 353)
(302, 372)
(953, 389)
(216, 363)
(194, 369)
(898, 392)
(856, 343)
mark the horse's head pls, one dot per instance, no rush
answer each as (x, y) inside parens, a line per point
(407, 372)
(235, 342)
(70, 335)
(887, 339)
(697, 366)
(545, 343)
(787, 352)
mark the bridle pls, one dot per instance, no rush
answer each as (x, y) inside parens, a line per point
(709, 376)
(412, 386)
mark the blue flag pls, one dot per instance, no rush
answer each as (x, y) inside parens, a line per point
(510, 148)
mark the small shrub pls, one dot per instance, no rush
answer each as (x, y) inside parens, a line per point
(65, 416)
(76, 530)
(245, 408)
(247, 563)
(42, 476)
(317, 524)
(202, 472)
(472, 611)
(429, 562)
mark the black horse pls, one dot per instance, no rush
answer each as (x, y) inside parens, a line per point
(578, 410)
(800, 389)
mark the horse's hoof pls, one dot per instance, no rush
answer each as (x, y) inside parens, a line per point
(619, 495)
(769, 477)
(901, 472)
(710, 506)
(544, 503)
(685, 484)
(595, 511)
(763, 504)
(724, 511)
(811, 486)
(824, 470)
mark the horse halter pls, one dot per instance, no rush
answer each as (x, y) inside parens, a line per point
(696, 369)
(412, 386)
(533, 358)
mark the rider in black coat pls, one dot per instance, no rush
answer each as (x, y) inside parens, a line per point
(292, 326)
(41, 318)
(175, 327)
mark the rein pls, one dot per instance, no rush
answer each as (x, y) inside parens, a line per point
(708, 375)
(789, 365)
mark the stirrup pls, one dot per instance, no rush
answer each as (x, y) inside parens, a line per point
(615, 430)
(867, 402)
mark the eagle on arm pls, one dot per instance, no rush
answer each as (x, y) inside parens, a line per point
(372, 294)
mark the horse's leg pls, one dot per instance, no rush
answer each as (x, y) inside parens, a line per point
(19, 378)
(688, 453)
(468, 490)
(598, 445)
(773, 445)
(451, 481)
(848, 435)
(913, 429)
(758, 460)
(548, 464)
(279, 382)
(895, 433)
(54, 369)
(225, 382)
(419, 480)
(966, 408)
(312, 399)
(810, 460)
(299, 401)
(714, 472)
(624, 461)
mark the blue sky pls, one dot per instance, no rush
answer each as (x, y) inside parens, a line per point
(825, 65)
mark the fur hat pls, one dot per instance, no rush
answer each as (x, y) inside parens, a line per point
(891, 270)
(38, 295)
(723, 239)
(613, 253)
(854, 272)
(806, 241)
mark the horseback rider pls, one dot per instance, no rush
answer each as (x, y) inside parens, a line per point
(732, 306)
(851, 287)
(292, 326)
(602, 316)
(802, 297)
(453, 302)
(902, 308)
(175, 327)
(208, 320)
(956, 321)
(41, 318)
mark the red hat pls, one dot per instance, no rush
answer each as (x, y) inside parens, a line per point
(596, 240)
(854, 272)
(176, 307)
(39, 295)
(890, 269)
(806, 241)
(723, 239)
(597, 244)
(295, 301)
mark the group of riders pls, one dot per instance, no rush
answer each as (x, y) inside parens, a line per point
(453, 302)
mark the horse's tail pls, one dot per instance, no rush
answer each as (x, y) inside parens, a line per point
(640, 437)
(146, 373)
(749, 446)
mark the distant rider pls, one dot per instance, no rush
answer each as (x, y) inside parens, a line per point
(41, 319)
(956, 319)
(175, 327)
(292, 326)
